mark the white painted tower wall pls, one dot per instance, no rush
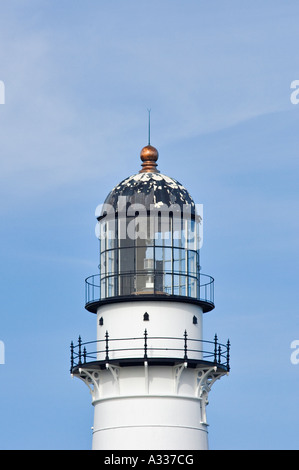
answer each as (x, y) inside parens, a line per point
(166, 319)
(150, 406)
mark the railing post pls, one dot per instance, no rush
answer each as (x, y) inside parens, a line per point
(79, 349)
(219, 354)
(185, 346)
(215, 349)
(107, 346)
(145, 344)
(84, 355)
(72, 355)
(227, 355)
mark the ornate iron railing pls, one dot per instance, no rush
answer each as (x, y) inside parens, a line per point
(190, 349)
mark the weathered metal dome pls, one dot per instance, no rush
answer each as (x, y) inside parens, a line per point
(149, 187)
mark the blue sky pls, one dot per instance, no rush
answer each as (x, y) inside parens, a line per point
(79, 77)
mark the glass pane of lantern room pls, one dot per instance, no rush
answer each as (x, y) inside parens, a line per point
(167, 284)
(177, 230)
(102, 232)
(103, 264)
(163, 267)
(111, 255)
(192, 235)
(184, 234)
(149, 270)
(163, 255)
(110, 286)
(167, 260)
(192, 291)
(111, 262)
(145, 258)
(141, 238)
(103, 288)
(140, 268)
(192, 265)
(126, 269)
(103, 235)
(199, 226)
(179, 260)
(179, 284)
(167, 236)
(111, 234)
(141, 231)
(161, 224)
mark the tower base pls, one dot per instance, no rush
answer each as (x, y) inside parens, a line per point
(150, 407)
(149, 422)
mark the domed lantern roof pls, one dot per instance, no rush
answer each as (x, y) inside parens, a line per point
(151, 188)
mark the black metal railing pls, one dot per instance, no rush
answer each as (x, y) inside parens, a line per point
(102, 351)
(199, 287)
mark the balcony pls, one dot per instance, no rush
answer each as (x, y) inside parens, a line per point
(151, 286)
(152, 350)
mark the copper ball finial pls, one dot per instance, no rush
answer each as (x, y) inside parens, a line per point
(149, 155)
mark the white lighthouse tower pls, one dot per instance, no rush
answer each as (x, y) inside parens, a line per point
(150, 371)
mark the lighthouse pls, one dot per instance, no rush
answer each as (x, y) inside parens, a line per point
(150, 370)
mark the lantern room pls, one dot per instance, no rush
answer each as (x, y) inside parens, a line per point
(150, 234)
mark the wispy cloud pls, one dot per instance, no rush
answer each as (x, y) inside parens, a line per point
(75, 101)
